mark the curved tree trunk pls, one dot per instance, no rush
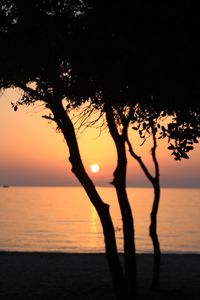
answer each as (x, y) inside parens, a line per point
(153, 234)
(65, 124)
(154, 213)
(153, 223)
(119, 183)
(128, 225)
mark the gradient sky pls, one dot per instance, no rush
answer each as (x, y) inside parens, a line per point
(33, 153)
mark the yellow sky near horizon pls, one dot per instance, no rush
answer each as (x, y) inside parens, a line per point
(33, 153)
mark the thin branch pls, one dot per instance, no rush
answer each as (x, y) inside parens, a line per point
(153, 151)
(48, 118)
(139, 160)
(111, 124)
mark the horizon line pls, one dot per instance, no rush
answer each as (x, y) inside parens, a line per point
(101, 185)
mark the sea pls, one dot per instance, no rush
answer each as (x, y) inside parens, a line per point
(62, 219)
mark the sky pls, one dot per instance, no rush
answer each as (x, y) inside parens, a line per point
(33, 153)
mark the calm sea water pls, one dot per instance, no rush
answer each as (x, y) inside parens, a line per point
(62, 219)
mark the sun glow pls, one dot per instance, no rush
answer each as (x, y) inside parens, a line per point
(94, 168)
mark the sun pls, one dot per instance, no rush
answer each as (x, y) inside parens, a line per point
(94, 168)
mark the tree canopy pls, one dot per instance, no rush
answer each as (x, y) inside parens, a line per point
(139, 55)
(123, 51)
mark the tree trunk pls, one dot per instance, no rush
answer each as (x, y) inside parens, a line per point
(128, 225)
(127, 219)
(154, 236)
(65, 124)
(153, 223)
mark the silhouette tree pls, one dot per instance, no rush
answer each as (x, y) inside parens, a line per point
(116, 54)
(58, 80)
(119, 183)
(182, 130)
(36, 33)
(146, 123)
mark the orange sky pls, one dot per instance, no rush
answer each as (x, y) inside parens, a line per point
(33, 153)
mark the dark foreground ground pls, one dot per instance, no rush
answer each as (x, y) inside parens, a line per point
(53, 276)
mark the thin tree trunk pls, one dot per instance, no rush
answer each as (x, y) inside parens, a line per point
(154, 213)
(154, 236)
(153, 216)
(119, 183)
(128, 231)
(65, 124)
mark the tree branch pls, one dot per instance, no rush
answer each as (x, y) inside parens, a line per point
(153, 152)
(111, 124)
(139, 160)
(48, 118)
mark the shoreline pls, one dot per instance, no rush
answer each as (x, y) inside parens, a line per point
(50, 275)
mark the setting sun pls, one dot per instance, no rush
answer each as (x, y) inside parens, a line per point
(94, 168)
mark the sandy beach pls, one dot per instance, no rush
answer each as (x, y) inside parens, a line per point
(48, 276)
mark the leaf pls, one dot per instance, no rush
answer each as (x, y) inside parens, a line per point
(171, 147)
(184, 155)
(188, 148)
(14, 106)
(177, 158)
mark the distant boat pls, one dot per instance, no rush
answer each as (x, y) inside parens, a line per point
(5, 186)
